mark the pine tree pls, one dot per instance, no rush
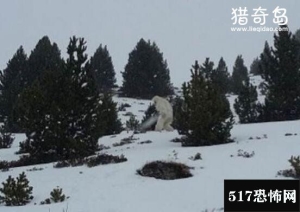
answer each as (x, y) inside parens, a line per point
(63, 113)
(44, 57)
(239, 74)
(221, 77)
(297, 38)
(205, 117)
(100, 67)
(245, 104)
(177, 104)
(146, 73)
(10, 87)
(110, 123)
(132, 123)
(6, 138)
(266, 65)
(281, 70)
(44, 125)
(297, 35)
(254, 67)
(16, 192)
(207, 68)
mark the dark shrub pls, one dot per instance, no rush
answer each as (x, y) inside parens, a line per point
(165, 170)
(16, 192)
(103, 159)
(295, 172)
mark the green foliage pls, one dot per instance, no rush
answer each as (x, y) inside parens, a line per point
(178, 104)
(280, 67)
(245, 104)
(103, 159)
(297, 35)
(57, 195)
(123, 106)
(69, 163)
(46, 201)
(266, 64)
(101, 68)
(24, 160)
(109, 122)
(21, 73)
(204, 117)
(146, 73)
(254, 67)
(245, 154)
(44, 57)
(63, 113)
(297, 38)
(16, 192)
(207, 68)
(6, 139)
(11, 85)
(132, 123)
(125, 141)
(295, 171)
(196, 157)
(239, 75)
(24, 147)
(221, 77)
(295, 163)
(99, 159)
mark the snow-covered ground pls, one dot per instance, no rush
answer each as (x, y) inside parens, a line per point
(117, 187)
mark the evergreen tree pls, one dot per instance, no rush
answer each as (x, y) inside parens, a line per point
(63, 113)
(146, 73)
(281, 70)
(239, 74)
(245, 104)
(266, 65)
(100, 67)
(110, 123)
(221, 77)
(44, 57)
(132, 124)
(16, 192)
(43, 119)
(254, 67)
(204, 117)
(207, 69)
(177, 104)
(10, 87)
(297, 35)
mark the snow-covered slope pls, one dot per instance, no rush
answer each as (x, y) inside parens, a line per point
(117, 187)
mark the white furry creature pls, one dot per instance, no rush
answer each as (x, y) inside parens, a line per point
(165, 111)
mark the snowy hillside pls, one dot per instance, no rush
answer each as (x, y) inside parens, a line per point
(117, 187)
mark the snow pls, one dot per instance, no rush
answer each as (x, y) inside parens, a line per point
(84, 85)
(184, 31)
(117, 187)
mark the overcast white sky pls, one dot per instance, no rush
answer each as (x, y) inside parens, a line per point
(184, 30)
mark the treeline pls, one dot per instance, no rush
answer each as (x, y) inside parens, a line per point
(65, 105)
(203, 115)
